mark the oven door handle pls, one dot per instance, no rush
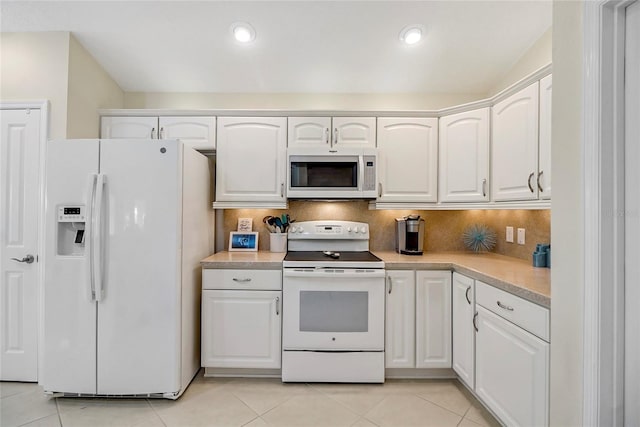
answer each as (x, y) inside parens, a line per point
(333, 273)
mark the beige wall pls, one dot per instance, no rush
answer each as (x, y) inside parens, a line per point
(35, 66)
(443, 228)
(567, 216)
(90, 88)
(297, 101)
(538, 56)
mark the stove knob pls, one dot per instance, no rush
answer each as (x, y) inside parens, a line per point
(348, 229)
(363, 230)
(300, 230)
(293, 229)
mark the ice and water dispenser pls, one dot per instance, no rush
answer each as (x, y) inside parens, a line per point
(71, 226)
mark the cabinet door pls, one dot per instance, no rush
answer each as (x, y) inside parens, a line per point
(512, 371)
(354, 132)
(407, 159)
(196, 132)
(241, 329)
(251, 159)
(462, 328)
(309, 132)
(433, 319)
(514, 160)
(544, 150)
(399, 344)
(129, 127)
(464, 157)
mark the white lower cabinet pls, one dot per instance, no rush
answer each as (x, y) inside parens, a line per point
(400, 341)
(418, 319)
(241, 328)
(433, 319)
(463, 340)
(512, 371)
(512, 356)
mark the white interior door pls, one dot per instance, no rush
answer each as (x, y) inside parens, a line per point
(19, 214)
(632, 217)
(139, 314)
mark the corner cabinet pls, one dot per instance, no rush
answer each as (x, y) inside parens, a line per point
(407, 160)
(463, 305)
(418, 319)
(251, 161)
(241, 319)
(332, 133)
(196, 132)
(464, 157)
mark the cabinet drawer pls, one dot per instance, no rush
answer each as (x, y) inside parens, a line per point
(242, 279)
(525, 314)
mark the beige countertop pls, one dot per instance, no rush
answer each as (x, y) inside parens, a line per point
(256, 260)
(512, 275)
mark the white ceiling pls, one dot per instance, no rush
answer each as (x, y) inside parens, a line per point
(301, 46)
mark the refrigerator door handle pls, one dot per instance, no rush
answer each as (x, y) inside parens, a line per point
(89, 200)
(97, 240)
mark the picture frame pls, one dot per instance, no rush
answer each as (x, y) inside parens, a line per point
(242, 241)
(245, 224)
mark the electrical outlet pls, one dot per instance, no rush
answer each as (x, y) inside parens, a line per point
(521, 236)
(509, 234)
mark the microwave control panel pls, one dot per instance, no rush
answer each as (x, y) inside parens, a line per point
(369, 183)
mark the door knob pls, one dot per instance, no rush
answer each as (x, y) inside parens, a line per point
(28, 259)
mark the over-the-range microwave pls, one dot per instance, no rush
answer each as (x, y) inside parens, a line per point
(320, 174)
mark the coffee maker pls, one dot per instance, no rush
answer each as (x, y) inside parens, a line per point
(410, 235)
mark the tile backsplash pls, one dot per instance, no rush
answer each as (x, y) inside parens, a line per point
(443, 228)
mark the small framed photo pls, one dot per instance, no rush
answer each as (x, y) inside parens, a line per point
(245, 224)
(240, 241)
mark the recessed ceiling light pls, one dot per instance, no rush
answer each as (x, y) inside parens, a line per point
(243, 32)
(411, 34)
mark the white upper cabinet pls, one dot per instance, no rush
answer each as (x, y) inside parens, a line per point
(129, 127)
(433, 319)
(251, 160)
(464, 157)
(408, 159)
(196, 132)
(399, 347)
(515, 146)
(309, 132)
(332, 133)
(544, 166)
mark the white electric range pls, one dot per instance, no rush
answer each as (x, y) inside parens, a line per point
(333, 299)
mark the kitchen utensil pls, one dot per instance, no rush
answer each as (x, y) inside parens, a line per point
(279, 225)
(334, 255)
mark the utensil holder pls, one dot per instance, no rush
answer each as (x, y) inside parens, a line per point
(277, 242)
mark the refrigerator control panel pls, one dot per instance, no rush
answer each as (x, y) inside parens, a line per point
(71, 214)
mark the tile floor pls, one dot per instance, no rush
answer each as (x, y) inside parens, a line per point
(254, 403)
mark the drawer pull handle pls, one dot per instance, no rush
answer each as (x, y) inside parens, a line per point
(277, 306)
(475, 325)
(505, 307)
(466, 294)
(241, 280)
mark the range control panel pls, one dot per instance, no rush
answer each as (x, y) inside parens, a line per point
(347, 230)
(71, 213)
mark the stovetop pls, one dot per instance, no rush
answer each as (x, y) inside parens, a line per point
(345, 259)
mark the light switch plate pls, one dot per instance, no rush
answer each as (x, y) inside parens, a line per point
(509, 235)
(521, 236)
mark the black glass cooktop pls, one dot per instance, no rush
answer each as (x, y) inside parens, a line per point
(319, 256)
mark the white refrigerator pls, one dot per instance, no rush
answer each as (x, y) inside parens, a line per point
(126, 225)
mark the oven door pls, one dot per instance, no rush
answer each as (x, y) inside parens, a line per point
(328, 309)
